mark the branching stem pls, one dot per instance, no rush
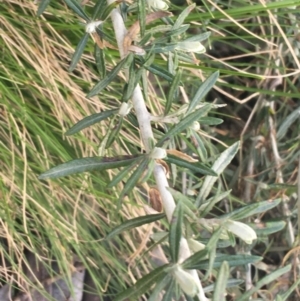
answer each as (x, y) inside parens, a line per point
(143, 117)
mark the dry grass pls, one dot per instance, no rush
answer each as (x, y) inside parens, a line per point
(39, 101)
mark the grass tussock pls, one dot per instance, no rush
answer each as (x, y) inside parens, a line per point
(39, 101)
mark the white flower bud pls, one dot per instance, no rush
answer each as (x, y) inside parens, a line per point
(243, 231)
(124, 109)
(91, 27)
(196, 47)
(195, 126)
(186, 282)
(158, 153)
(158, 4)
(195, 245)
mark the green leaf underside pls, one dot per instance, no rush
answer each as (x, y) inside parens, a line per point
(43, 5)
(220, 164)
(175, 232)
(143, 285)
(268, 228)
(220, 286)
(195, 258)
(195, 167)
(210, 121)
(252, 209)
(87, 164)
(233, 261)
(180, 19)
(79, 51)
(135, 222)
(90, 120)
(184, 123)
(203, 90)
(75, 6)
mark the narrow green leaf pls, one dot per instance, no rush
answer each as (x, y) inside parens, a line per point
(220, 287)
(208, 206)
(233, 261)
(180, 19)
(170, 291)
(198, 37)
(252, 209)
(184, 123)
(132, 119)
(175, 232)
(173, 92)
(99, 55)
(159, 288)
(144, 84)
(134, 178)
(114, 134)
(105, 36)
(220, 164)
(109, 8)
(194, 259)
(194, 167)
(142, 16)
(180, 30)
(79, 51)
(265, 281)
(42, 6)
(122, 174)
(146, 38)
(160, 72)
(290, 290)
(161, 48)
(148, 172)
(288, 121)
(87, 164)
(102, 84)
(268, 228)
(281, 186)
(214, 239)
(134, 78)
(75, 6)
(230, 283)
(98, 10)
(143, 284)
(202, 91)
(171, 65)
(199, 144)
(187, 203)
(90, 120)
(135, 222)
(211, 259)
(210, 121)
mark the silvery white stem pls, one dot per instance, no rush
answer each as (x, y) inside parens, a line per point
(143, 117)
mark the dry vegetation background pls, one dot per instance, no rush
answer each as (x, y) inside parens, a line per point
(258, 58)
